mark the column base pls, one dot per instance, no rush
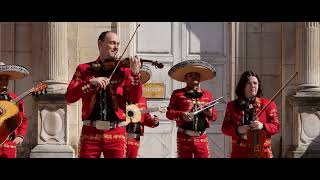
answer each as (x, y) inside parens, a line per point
(295, 152)
(308, 88)
(303, 152)
(306, 97)
(56, 87)
(52, 151)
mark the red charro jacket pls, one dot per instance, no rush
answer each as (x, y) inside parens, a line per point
(179, 104)
(124, 86)
(232, 120)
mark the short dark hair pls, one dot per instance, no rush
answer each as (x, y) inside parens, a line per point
(243, 81)
(103, 35)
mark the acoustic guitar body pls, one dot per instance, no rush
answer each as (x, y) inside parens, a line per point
(10, 119)
(133, 114)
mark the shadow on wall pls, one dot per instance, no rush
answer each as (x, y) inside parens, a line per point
(313, 150)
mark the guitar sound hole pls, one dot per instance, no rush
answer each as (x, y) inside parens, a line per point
(130, 113)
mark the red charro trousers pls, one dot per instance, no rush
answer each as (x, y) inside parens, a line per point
(8, 150)
(93, 142)
(133, 148)
(192, 147)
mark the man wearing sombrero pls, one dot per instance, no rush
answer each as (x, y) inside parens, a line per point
(192, 140)
(12, 72)
(135, 130)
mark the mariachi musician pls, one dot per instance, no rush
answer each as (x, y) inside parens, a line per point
(12, 72)
(104, 89)
(192, 140)
(136, 130)
(240, 120)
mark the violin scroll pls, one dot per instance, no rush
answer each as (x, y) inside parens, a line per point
(154, 63)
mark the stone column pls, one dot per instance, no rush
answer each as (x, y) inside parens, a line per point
(306, 101)
(52, 109)
(307, 56)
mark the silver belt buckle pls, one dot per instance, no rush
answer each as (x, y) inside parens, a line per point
(103, 125)
(113, 124)
(202, 132)
(192, 133)
(133, 135)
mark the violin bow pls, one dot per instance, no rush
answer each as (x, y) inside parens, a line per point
(277, 93)
(123, 52)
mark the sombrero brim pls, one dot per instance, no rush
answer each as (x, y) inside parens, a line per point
(144, 76)
(206, 71)
(14, 71)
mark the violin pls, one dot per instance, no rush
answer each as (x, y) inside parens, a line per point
(126, 62)
(110, 64)
(114, 62)
(255, 138)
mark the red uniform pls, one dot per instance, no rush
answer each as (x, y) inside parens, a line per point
(123, 86)
(189, 146)
(8, 148)
(233, 118)
(146, 120)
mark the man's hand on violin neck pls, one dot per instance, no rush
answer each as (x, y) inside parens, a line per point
(101, 82)
(135, 64)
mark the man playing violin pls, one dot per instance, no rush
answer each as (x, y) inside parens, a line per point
(240, 118)
(192, 140)
(104, 99)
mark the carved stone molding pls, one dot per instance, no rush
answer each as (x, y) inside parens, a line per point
(310, 127)
(52, 125)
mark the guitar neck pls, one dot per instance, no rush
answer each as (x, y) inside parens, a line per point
(23, 95)
(149, 110)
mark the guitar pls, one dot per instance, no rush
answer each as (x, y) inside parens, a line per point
(10, 118)
(134, 114)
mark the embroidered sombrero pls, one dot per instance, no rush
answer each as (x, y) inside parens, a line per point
(13, 71)
(145, 74)
(206, 70)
